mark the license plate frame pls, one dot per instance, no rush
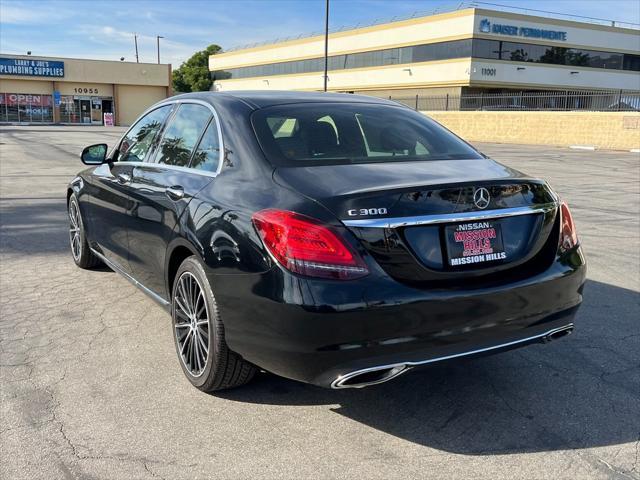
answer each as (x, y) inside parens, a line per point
(471, 244)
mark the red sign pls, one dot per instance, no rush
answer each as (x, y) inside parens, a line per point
(13, 99)
(476, 242)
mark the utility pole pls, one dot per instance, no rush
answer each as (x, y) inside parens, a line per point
(135, 41)
(158, 37)
(326, 45)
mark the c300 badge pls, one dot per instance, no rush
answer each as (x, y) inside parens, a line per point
(366, 212)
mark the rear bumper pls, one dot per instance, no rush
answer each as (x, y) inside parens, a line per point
(321, 331)
(382, 373)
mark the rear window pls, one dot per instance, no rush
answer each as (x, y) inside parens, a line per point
(336, 133)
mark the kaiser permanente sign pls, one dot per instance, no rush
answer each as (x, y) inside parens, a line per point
(31, 68)
(487, 27)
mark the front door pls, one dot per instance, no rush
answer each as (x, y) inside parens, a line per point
(85, 111)
(162, 190)
(111, 205)
(108, 208)
(96, 111)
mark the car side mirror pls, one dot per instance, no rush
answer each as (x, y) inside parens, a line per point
(94, 154)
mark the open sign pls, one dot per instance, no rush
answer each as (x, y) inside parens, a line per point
(25, 99)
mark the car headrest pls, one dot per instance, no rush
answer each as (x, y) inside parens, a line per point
(395, 138)
(292, 147)
(322, 136)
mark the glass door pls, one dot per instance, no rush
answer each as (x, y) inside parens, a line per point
(69, 109)
(96, 111)
(85, 111)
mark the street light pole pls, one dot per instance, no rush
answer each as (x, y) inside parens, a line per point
(135, 40)
(326, 45)
(158, 37)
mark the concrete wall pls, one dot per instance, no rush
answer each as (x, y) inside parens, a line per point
(443, 27)
(103, 71)
(452, 72)
(578, 34)
(604, 130)
(36, 87)
(412, 92)
(537, 75)
(132, 100)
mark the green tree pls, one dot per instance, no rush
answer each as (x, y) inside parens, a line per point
(193, 75)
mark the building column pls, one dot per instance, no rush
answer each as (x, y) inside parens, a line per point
(56, 108)
(116, 106)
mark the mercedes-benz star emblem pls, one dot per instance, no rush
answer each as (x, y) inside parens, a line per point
(481, 198)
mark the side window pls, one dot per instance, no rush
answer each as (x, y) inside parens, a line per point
(137, 142)
(383, 140)
(330, 121)
(421, 149)
(283, 127)
(182, 133)
(207, 156)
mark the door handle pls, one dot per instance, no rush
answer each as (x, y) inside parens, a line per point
(175, 193)
(123, 178)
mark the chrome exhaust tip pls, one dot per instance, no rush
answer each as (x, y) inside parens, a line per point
(369, 376)
(374, 375)
(558, 333)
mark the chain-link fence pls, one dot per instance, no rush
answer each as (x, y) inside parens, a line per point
(599, 101)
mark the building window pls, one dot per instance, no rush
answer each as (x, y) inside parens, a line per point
(441, 51)
(375, 58)
(487, 49)
(631, 62)
(69, 110)
(553, 55)
(26, 107)
(84, 110)
(477, 48)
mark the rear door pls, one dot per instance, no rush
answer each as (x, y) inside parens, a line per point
(111, 204)
(186, 160)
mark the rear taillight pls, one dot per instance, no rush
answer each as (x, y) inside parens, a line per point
(568, 234)
(305, 246)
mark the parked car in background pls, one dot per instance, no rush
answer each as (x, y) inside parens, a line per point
(338, 240)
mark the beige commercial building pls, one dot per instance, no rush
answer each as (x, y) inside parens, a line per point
(472, 50)
(45, 90)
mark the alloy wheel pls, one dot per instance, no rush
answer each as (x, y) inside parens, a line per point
(75, 224)
(191, 323)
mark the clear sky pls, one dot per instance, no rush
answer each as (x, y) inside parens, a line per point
(104, 29)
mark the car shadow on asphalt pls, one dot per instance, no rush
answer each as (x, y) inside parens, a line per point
(579, 392)
(37, 225)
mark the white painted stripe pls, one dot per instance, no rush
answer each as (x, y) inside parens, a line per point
(582, 147)
(635, 150)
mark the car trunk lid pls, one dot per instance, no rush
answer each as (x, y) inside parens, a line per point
(437, 221)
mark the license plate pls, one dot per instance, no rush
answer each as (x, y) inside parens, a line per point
(474, 242)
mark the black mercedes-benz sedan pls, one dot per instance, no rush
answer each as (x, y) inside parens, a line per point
(334, 239)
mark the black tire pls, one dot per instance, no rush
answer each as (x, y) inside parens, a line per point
(80, 251)
(222, 368)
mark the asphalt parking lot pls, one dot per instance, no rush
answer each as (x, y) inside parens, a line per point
(91, 387)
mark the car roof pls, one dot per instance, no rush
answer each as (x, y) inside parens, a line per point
(267, 98)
